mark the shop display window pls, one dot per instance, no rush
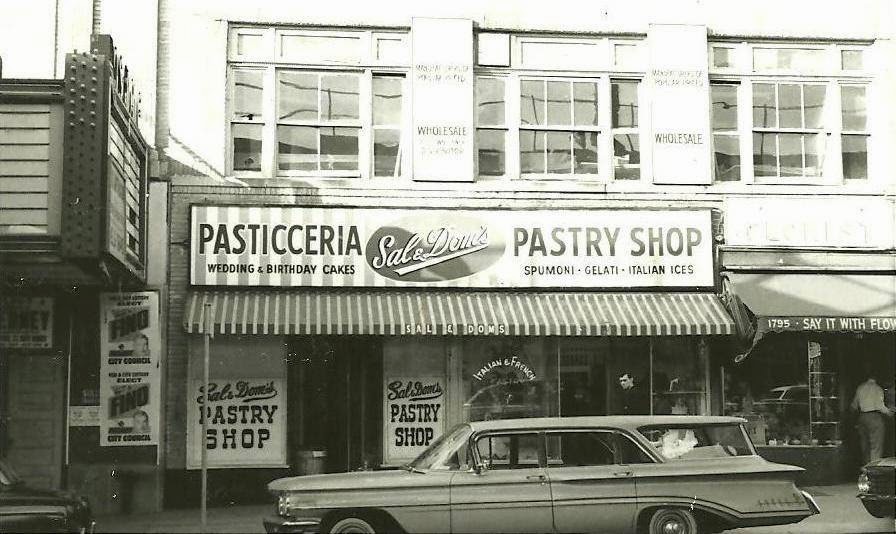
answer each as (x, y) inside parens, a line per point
(679, 377)
(789, 392)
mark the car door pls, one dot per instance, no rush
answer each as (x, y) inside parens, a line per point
(592, 489)
(511, 494)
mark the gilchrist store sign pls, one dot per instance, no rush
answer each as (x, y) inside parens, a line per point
(130, 343)
(246, 423)
(324, 247)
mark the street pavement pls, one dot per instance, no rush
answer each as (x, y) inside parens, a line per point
(841, 513)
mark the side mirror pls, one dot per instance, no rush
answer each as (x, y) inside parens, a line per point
(480, 468)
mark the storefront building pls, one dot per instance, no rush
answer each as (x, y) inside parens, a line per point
(73, 259)
(389, 227)
(818, 276)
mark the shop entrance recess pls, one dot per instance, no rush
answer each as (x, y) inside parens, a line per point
(335, 385)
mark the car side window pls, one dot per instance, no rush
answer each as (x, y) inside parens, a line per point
(574, 449)
(629, 453)
(509, 451)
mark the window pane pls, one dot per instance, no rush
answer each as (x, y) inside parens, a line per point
(813, 104)
(490, 101)
(385, 152)
(490, 150)
(559, 159)
(532, 102)
(578, 449)
(625, 104)
(585, 152)
(765, 59)
(247, 90)
(764, 115)
(559, 111)
(722, 57)
(585, 103)
(339, 149)
(626, 157)
(765, 154)
(855, 115)
(387, 100)
(855, 157)
(790, 106)
(724, 107)
(249, 44)
(791, 154)
(851, 60)
(246, 147)
(726, 149)
(297, 96)
(297, 148)
(515, 451)
(626, 56)
(338, 96)
(814, 147)
(531, 151)
(801, 59)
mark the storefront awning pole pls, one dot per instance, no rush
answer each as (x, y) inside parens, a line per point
(207, 337)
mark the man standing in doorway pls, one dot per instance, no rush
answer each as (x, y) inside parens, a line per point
(633, 401)
(869, 402)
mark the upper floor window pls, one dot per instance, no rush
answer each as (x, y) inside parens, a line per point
(800, 112)
(317, 103)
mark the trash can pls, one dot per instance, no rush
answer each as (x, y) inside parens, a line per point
(311, 461)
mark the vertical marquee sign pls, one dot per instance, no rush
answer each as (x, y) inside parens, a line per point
(443, 104)
(246, 423)
(679, 89)
(130, 345)
(414, 412)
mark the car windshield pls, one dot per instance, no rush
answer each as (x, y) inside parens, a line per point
(691, 442)
(446, 452)
(8, 475)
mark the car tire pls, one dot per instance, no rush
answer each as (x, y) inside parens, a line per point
(353, 525)
(672, 521)
(880, 509)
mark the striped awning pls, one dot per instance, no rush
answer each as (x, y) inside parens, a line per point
(456, 313)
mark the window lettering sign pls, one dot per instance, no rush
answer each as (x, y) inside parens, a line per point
(246, 423)
(414, 415)
(26, 322)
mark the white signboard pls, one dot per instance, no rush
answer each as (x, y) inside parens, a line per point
(810, 222)
(443, 102)
(26, 322)
(130, 345)
(315, 247)
(415, 415)
(246, 423)
(679, 87)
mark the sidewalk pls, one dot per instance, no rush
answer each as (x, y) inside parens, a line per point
(841, 513)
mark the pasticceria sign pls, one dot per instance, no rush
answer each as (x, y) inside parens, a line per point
(295, 246)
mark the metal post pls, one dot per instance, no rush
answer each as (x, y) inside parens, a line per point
(208, 335)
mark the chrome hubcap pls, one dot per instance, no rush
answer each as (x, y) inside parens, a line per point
(673, 526)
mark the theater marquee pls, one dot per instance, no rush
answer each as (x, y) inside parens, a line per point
(342, 247)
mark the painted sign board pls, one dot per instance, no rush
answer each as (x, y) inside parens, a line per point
(816, 222)
(679, 87)
(341, 247)
(827, 324)
(26, 322)
(130, 380)
(246, 423)
(415, 415)
(443, 104)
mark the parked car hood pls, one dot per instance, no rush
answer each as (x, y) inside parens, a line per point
(393, 478)
(883, 462)
(22, 493)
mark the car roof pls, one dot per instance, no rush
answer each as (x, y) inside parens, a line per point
(630, 422)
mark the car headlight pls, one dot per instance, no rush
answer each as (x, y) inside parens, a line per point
(864, 484)
(283, 504)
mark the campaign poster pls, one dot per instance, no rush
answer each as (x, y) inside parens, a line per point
(246, 423)
(130, 344)
(415, 415)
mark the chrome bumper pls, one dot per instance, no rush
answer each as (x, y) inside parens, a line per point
(279, 524)
(811, 501)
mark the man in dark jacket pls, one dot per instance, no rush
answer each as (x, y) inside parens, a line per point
(632, 399)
